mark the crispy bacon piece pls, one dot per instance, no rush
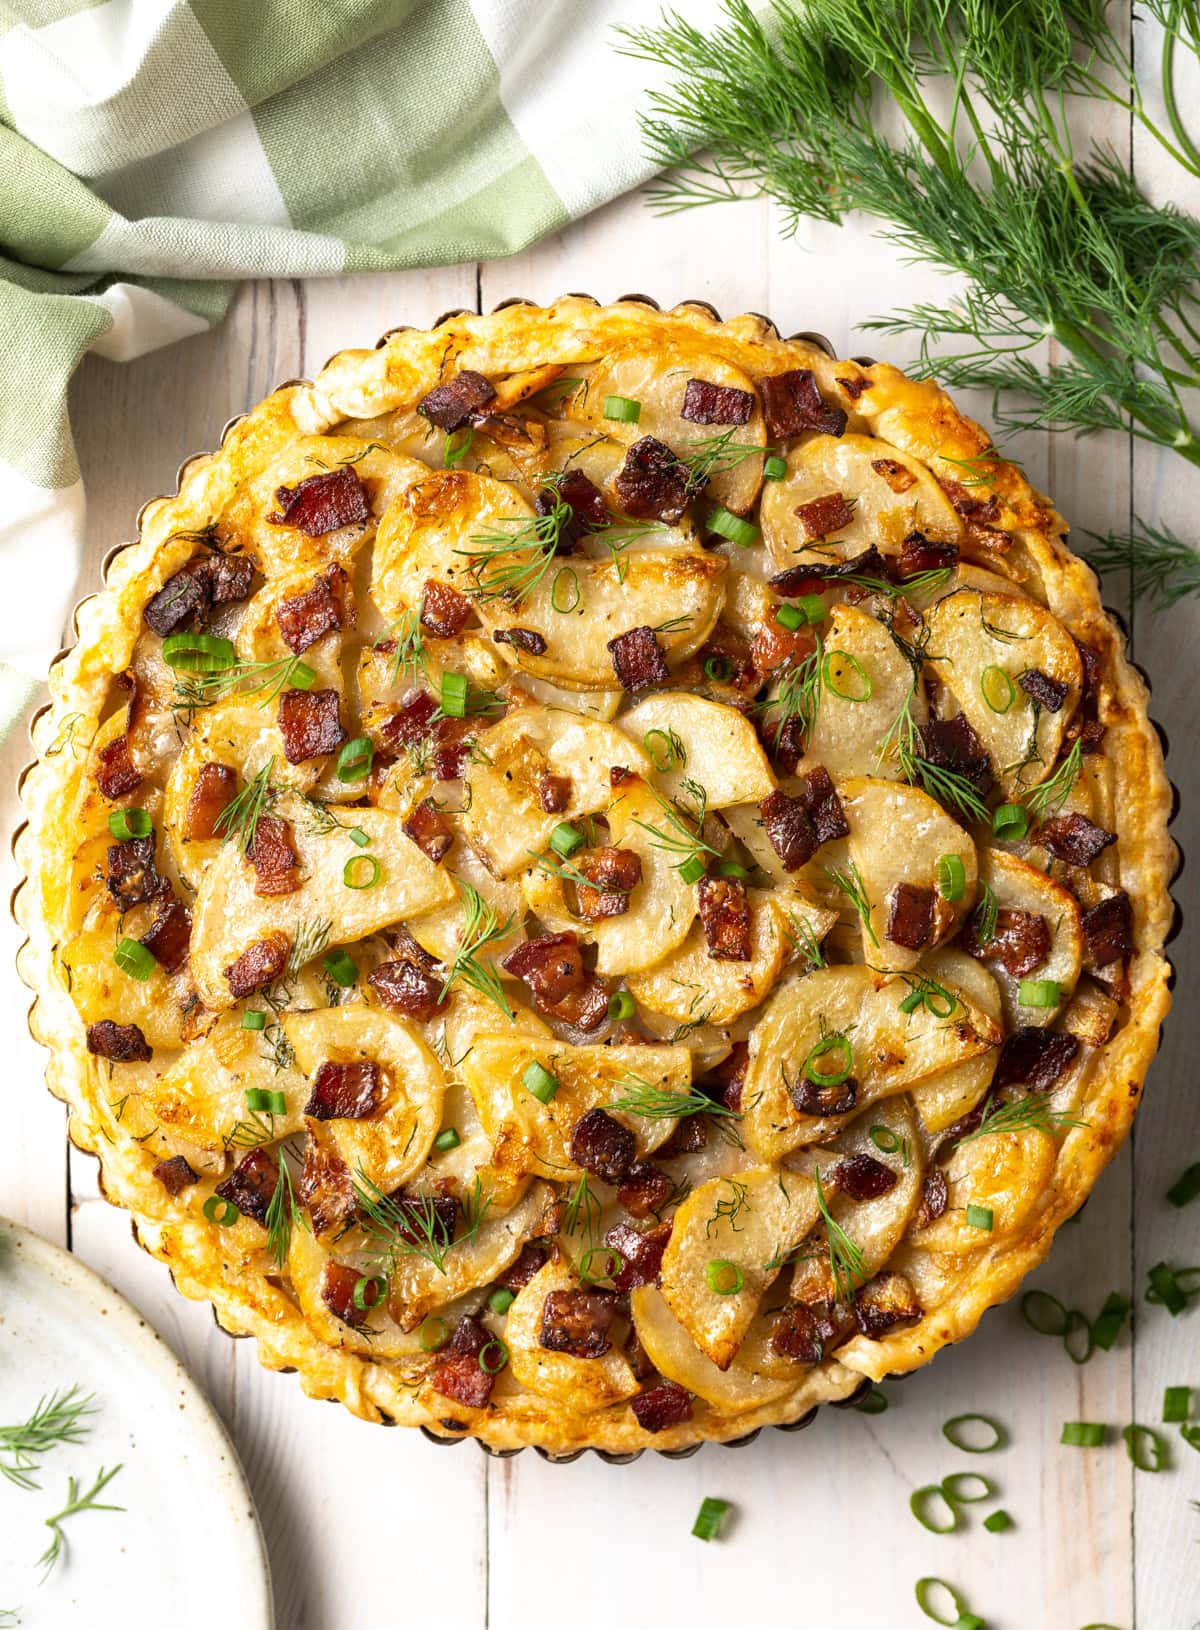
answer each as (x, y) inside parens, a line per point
(653, 484)
(1050, 693)
(346, 1092)
(551, 966)
(175, 1174)
(706, 403)
(898, 476)
(578, 1322)
(612, 874)
(910, 916)
(251, 1184)
(641, 1253)
(935, 1197)
(323, 608)
(814, 579)
(1108, 930)
(646, 1189)
(309, 724)
(444, 611)
(822, 1098)
(458, 1374)
(273, 856)
(863, 1177)
(326, 1187)
(1035, 1058)
(1021, 941)
(185, 599)
(522, 639)
(531, 1260)
(802, 1331)
(922, 554)
(132, 875)
(789, 828)
(1087, 718)
(120, 1043)
(887, 1302)
(773, 646)
(665, 1404)
(951, 744)
(979, 514)
(554, 793)
(429, 830)
(638, 659)
(690, 1136)
(408, 985)
(455, 739)
(322, 503)
(589, 512)
(258, 964)
(792, 403)
(1073, 838)
(725, 913)
(338, 1280)
(412, 722)
(214, 790)
(731, 1073)
(821, 517)
(116, 776)
(603, 1146)
(423, 1216)
(820, 799)
(452, 404)
(170, 935)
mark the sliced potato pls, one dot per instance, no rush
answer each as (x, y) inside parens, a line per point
(1003, 1172)
(603, 705)
(201, 1097)
(378, 1336)
(979, 646)
(440, 932)
(673, 1353)
(662, 907)
(100, 990)
(1018, 886)
(580, 1383)
(849, 736)
(431, 531)
(690, 978)
(941, 1099)
(692, 739)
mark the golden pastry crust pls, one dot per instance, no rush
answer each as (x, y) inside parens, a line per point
(370, 397)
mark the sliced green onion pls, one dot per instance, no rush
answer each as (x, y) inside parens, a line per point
(433, 1334)
(135, 823)
(951, 876)
(1182, 1192)
(1145, 1447)
(1111, 1317)
(827, 1045)
(1010, 822)
(953, 1433)
(980, 1217)
(301, 677)
(1177, 1404)
(260, 1101)
(873, 1402)
(744, 533)
(1191, 1436)
(362, 1287)
(1165, 1288)
(723, 1278)
(622, 409)
(361, 872)
(730, 868)
(790, 617)
(914, 1000)
(621, 1006)
(999, 1522)
(198, 653)
(775, 468)
(1039, 993)
(254, 1019)
(692, 869)
(446, 1140)
(493, 1357)
(710, 1517)
(611, 1262)
(1084, 1434)
(862, 690)
(340, 968)
(354, 760)
(221, 1211)
(885, 1140)
(358, 836)
(538, 1080)
(812, 606)
(457, 445)
(997, 688)
(920, 1501)
(565, 839)
(958, 1485)
(501, 1300)
(454, 695)
(132, 957)
(926, 1600)
(1077, 1338)
(566, 598)
(718, 669)
(1044, 1313)
(662, 749)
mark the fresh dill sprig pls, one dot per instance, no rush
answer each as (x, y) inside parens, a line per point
(714, 455)
(685, 823)
(987, 915)
(730, 1208)
(566, 872)
(76, 1503)
(930, 580)
(846, 1262)
(903, 742)
(283, 1214)
(474, 702)
(1052, 794)
(258, 1129)
(242, 679)
(481, 927)
(581, 1214)
(1031, 1113)
(509, 561)
(409, 656)
(60, 1417)
(642, 1097)
(1156, 564)
(799, 694)
(415, 1228)
(318, 817)
(950, 787)
(240, 817)
(799, 934)
(848, 879)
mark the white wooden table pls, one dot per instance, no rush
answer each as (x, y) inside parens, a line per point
(374, 1527)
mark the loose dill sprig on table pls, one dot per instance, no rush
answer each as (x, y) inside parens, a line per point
(59, 1417)
(75, 1503)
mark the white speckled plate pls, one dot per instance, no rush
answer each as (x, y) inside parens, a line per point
(189, 1538)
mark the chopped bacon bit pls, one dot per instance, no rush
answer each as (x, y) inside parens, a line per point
(775, 645)
(185, 599)
(1034, 1058)
(706, 403)
(886, 1303)
(820, 1099)
(522, 639)
(731, 1073)
(603, 1146)
(1051, 693)
(819, 796)
(116, 775)
(586, 503)
(229, 577)
(411, 723)
(458, 1374)
(532, 1260)
(910, 916)
(408, 985)
(346, 1092)
(273, 856)
(792, 403)
(935, 1197)
(921, 554)
(821, 517)
(455, 738)
(309, 724)
(638, 659)
(612, 874)
(645, 1190)
(653, 484)
(251, 1184)
(326, 1187)
(338, 1281)
(175, 1174)
(1108, 930)
(452, 404)
(1091, 731)
(725, 914)
(790, 829)
(620, 776)
(802, 1332)
(855, 387)
(898, 476)
(1073, 838)
(1021, 940)
(170, 934)
(728, 646)
(423, 1215)
(863, 1177)
(641, 1253)
(258, 964)
(444, 611)
(132, 875)
(951, 744)
(322, 503)
(429, 830)
(554, 793)
(121, 1043)
(688, 1138)
(660, 1406)
(214, 790)
(323, 608)
(578, 1322)
(551, 966)
(812, 578)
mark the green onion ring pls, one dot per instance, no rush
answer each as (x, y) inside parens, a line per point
(1147, 1448)
(989, 680)
(885, 1140)
(925, 1588)
(668, 758)
(221, 1211)
(363, 1285)
(457, 446)
(723, 1278)
(501, 1358)
(856, 668)
(568, 576)
(431, 1339)
(952, 1433)
(1084, 1346)
(612, 1261)
(920, 1499)
(352, 871)
(1044, 1313)
(953, 1487)
(829, 1044)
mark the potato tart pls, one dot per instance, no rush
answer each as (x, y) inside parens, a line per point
(598, 878)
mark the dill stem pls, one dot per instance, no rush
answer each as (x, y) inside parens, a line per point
(1189, 154)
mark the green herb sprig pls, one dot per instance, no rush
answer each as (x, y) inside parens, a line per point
(60, 1417)
(75, 1503)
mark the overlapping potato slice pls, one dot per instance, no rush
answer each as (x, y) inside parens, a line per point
(747, 1225)
(941, 1099)
(689, 977)
(662, 907)
(1018, 886)
(898, 835)
(229, 917)
(979, 647)
(201, 1097)
(100, 990)
(1002, 1172)
(692, 739)
(377, 1336)
(435, 529)
(742, 1386)
(884, 1049)
(882, 515)
(855, 729)
(531, 1136)
(440, 932)
(580, 1383)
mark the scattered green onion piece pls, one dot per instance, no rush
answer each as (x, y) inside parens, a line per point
(970, 1621)
(864, 689)
(301, 677)
(1182, 1192)
(692, 869)
(1039, 993)
(254, 1019)
(454, 695)
(358, 836)
(501, 1300)
(362, 1287)
(955, 1487)
(730, 868)
(1083, 1434)
(744, 533)
(611, 1263)
(775, 468)
(1177, 1404)
(911, 1002)
(662, 757)
(538, 1080)
(1191, 1436)
(1044, 1313)
(885, 1140)
(1077, 1338)
(340, 968)
(718, 669)
(621, 1006)
(433, 1334)
(354, 760)
(710, 1517)
(260, 1101)
(952, 877)
(830, 1044)
(622, 409)
(926, 1602)
(873, 1402)
(134, 823)
(457, 445)
(980, 1217)
(565, 839)
(198, 653)
(494, 1364)
(723, 1278)
(920, 1500)
(791, 618)
(1146, 1447)
(997, 688)
(132, 957)
(1010, 822)
(953, 1433)
(221, 1211)
(361, 872)
(1109, 1320)
(446, 1140)
(998, 1522)
(1165, 1288)
(567, 598)
(813, 608)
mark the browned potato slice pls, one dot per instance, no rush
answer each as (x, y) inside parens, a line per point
(942, 1099)
(440, 932)
(431, 531)
(691, 738)
(1003, 1172)
(101, 990)
(849, 735)
(673, 1353)
(580, 1383)
(201, 1097)
(662, 907)
(723, 989)
(1018, 886)
(378, 1336)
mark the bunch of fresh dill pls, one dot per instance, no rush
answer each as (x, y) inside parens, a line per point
(1053, 243)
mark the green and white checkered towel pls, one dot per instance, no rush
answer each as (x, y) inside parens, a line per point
(153, 151)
